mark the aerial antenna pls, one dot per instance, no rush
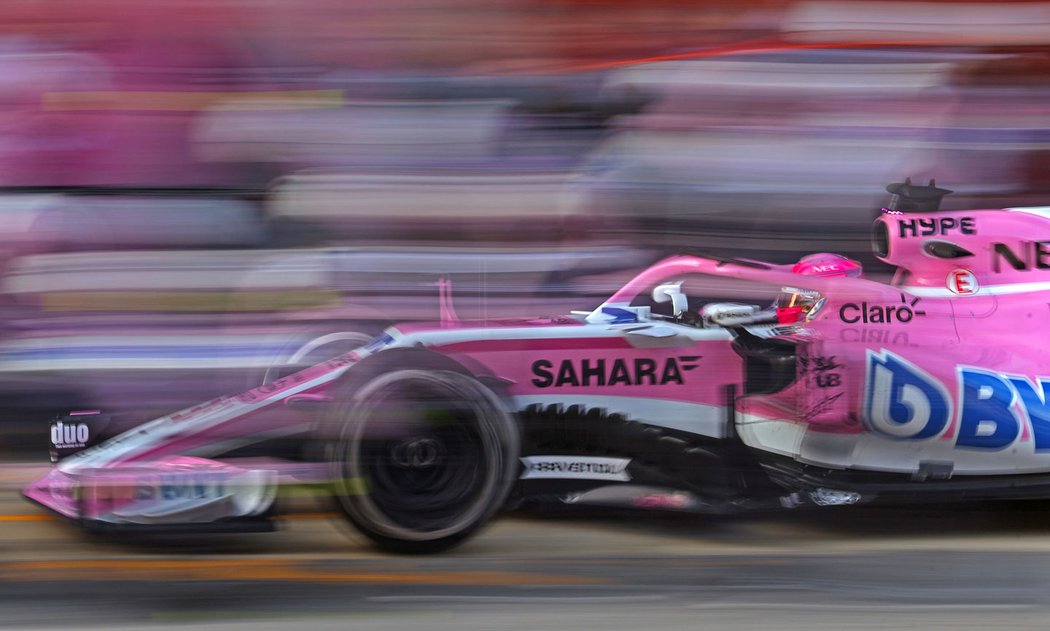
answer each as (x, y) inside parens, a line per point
(908, 197)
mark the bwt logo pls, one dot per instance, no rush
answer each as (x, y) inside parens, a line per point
(66, 435)
(902, 401)
(182, 487)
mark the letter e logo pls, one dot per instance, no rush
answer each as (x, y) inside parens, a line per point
(962, 282)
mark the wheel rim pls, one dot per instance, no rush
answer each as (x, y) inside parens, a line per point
(424, 455)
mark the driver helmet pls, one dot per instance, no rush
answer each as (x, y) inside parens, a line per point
(795, 305)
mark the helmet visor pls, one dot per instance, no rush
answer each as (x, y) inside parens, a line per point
(796, 305)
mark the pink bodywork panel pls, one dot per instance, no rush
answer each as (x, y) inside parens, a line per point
(984, 306)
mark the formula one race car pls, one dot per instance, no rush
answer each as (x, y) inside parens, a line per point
(846, 390)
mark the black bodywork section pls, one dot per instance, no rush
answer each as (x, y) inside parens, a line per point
(770, 365)
(721, 471)
(908, 197)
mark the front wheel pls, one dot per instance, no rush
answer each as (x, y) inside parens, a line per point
(423, 458)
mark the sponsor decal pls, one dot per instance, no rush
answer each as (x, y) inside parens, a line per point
(65, 435)
(742, 312)
(823, 379)
(887, 337)
(1032, 255)
(864, 313)
(936, 226)
(819, 363)
(182, 487)
(826, 372)
(614, 372)
(575, 467)
(962, 282)
(902, 401)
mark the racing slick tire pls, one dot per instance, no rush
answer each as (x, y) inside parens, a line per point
(423, 458)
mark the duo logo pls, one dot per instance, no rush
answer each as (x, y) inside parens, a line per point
(903, 401)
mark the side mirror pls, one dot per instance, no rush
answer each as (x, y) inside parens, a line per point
(672, 292)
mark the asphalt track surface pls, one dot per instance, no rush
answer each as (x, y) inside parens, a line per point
(959, 567)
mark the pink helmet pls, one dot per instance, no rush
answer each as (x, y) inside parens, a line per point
(795, 305)
(828, 265)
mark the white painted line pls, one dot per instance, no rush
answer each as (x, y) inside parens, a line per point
(857, 607)
(515, 599)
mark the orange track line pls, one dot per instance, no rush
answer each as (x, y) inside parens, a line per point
(266, 570)
(749, 47)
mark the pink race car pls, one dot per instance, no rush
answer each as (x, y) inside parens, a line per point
(844, 390)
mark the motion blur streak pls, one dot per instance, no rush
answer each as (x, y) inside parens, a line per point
(26, 518)
(265, 570)
(202, 197)
(50, 518)
(190, 101)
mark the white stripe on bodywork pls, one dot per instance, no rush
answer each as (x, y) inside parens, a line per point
(131, 364)
(868, 451)
(144, 437)
(1041, 211)
(694, 418)
(441, 337)
(776, 436)
(985, 290)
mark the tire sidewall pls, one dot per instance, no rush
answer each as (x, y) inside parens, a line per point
(494, 424)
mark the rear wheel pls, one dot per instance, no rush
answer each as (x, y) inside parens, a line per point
(423, 458)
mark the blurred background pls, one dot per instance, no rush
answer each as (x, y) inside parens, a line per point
(194, 192)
